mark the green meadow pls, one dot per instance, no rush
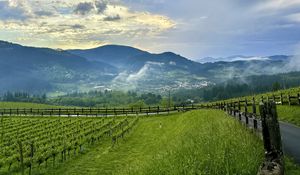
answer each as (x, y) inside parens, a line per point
(196, 142)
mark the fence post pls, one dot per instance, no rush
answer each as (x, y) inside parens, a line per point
(289, 99)
(298, 95)
(273, 163)
(234, 107)
(253, 106)
(281, 99)
(230, 108)
(227, 107)
(246, 106)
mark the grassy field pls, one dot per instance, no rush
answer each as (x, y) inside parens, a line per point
(289, 114)
(26, 105)
(290, 167)
(197, 142)
(292, 92)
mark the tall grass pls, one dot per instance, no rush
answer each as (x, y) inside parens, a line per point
(290, 114)
(209, 143)
(8, 105)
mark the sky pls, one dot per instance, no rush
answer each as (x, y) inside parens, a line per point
(191, 28)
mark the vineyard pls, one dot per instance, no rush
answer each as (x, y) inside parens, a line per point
(90, 111)
(282, 97)
(288, 104)
(32, 143)
(44, 139)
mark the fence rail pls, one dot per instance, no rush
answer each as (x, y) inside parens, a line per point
(266, 123)
(92, 111)
(279, 99)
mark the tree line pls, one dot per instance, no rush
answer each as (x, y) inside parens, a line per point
(23, 97)
(235, 87)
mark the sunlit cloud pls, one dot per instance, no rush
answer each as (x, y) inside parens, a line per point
(78, 24)
(193, 28)
(277, 4)
(294, 17)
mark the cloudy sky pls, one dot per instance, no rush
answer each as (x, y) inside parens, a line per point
(192, 28)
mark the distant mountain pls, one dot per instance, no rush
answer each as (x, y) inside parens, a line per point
(115, 55)
(243, 58)
(122, 67)
(39, 69)
(132, 59)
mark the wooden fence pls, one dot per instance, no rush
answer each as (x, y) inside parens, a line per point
(266, 123)
(279, 99)
(92, 111)
(262, 121)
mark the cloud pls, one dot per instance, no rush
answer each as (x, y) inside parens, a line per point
(294, 62)
(43, 13)
(112, 18)
(56, 23)
(192, 28)
(78, 26)
(98, 7)
(144, 71)
(294, 17)
(130, 81)
(229, 27)
(15, 9)
(101, 5)
(277, 4)
(84, 8)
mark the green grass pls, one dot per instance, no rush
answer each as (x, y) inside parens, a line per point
(291, 168)
(196, 142)
(285, 93)
(26, 105)
(290, 114)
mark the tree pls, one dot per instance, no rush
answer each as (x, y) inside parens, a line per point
(138, 104)
(276, 86)
(166, 102)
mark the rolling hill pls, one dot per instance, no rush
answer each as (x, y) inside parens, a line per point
(40, 69)
(52, 71)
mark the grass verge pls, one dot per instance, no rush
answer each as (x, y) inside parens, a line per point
(196, 142)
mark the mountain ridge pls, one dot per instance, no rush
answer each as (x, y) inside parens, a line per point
(118, 67)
